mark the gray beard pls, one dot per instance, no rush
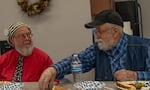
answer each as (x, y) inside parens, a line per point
(25, 51)
(106, 46)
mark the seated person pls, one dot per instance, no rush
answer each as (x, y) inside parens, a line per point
(115, 55)
(24, 63)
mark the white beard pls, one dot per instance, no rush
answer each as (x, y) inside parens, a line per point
(25, 51)
(106, 46)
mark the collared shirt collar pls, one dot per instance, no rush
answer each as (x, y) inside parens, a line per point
(120, 45)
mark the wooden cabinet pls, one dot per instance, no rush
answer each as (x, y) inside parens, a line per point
(99, 5)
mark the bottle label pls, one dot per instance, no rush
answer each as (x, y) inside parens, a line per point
(76, 68)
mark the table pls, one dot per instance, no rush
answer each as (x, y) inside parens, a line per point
(69, 86)
(31, 85)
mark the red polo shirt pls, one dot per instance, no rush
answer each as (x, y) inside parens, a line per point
(33, 65)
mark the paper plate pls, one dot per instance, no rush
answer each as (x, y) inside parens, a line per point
(12, 86)
(89, 85)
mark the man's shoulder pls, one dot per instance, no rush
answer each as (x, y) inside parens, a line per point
(39, 52)
(137, 40)
(8, 55)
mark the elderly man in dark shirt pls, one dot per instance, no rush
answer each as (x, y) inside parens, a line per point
(115, 55)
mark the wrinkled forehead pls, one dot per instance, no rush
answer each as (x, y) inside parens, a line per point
(23, 30)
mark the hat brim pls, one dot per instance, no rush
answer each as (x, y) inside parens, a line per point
(93, 24)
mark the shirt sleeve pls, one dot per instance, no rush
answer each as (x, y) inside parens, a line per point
(87, 57)
(145, 75)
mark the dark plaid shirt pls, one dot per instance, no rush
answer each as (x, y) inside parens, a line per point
(117, 56)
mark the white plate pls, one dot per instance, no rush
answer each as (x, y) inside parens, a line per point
(12, 86)
(89, 85)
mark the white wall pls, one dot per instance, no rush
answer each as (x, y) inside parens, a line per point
(145, 16)
(59, 30)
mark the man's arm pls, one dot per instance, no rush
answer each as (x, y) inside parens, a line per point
(63, 67)
(145, 75)
(47, 78)
(125, 75)
(87, 58)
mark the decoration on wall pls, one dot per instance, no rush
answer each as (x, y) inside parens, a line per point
(35, 8)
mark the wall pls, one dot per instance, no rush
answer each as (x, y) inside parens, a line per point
(146, 17)
(59, 30)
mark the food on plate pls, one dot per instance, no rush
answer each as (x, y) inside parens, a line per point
(56, 87)
(126, 85)
(139, 85)
(132, 85)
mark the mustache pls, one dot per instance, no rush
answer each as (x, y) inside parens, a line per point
(28, 42)
(99, 40)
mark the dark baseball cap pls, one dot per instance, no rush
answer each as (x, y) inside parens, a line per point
(106, 16)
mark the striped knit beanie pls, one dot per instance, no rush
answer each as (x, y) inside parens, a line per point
(13, 28)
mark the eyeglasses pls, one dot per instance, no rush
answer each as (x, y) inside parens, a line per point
(97, 30)
(23, 36)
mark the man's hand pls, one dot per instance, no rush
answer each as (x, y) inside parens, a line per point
(125, 75)
(47, 78)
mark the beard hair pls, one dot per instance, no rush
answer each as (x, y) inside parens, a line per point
(25, 51)
(106, 46)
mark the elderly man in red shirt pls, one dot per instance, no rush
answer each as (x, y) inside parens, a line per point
(24, 63)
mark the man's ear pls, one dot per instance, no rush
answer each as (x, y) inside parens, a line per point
(115, 32)
(12, 40)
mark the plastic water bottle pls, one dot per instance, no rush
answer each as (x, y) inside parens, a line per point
(76, 68)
